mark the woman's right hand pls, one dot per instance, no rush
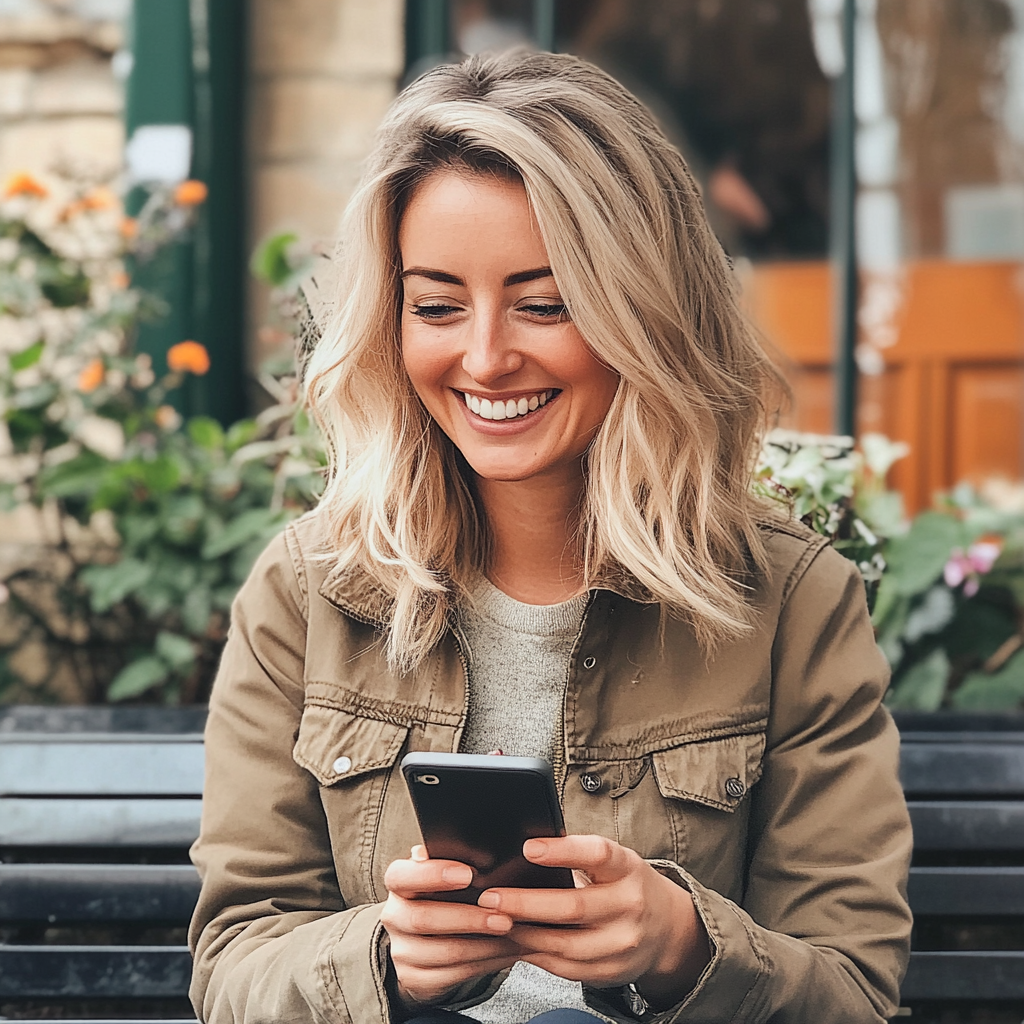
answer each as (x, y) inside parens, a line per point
(436, 947)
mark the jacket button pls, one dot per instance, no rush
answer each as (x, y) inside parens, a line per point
(735, 788)
(342, 765)
(589, 662)
(590, 782)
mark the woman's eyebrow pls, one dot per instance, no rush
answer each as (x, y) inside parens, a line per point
(522, 277)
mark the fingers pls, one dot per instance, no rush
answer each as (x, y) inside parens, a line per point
(434, 917)
(591, 905)
(416, 876)
(602, 860)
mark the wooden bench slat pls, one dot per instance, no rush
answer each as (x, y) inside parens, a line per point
(967, 824)
(34, 765)
(94, 972)
(103, 822)
(64, 893)
(964, 975)
(992, 768)
(982, 891)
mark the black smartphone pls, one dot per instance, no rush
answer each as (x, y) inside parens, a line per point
(479, 809)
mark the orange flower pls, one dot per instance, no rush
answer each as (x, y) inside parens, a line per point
(190, 193)
(120, 280)
(188, 357)
(73, 209)
(23, 184)
(129, 227)
(92, 376)
(167, 417)
(101, 198)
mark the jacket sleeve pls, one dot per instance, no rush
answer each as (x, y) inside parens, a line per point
(272, 937)
(823, 932)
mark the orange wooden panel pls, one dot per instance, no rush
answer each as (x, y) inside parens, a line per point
(811, 407)
(987, 422)
(957, 308)
(791, 304)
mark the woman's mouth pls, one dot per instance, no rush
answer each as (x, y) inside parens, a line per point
(510, 408)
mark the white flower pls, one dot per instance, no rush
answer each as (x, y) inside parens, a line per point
(103, 436)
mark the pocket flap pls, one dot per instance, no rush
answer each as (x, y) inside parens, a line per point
(718, 773)
(336, 745)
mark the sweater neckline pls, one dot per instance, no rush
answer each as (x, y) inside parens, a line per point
(489, 602)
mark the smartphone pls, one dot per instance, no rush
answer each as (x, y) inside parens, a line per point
(479, 809)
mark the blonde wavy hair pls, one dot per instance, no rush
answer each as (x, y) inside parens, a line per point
(667, 502)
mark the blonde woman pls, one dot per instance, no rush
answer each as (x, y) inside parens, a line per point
(543, 405)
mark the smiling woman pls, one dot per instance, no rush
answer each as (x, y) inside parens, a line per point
(539, 535)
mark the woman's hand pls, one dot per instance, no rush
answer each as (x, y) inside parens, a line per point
(435, 946)
(627, 924)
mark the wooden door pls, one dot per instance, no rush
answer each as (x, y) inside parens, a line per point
(949, 347)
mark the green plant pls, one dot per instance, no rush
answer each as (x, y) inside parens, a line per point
(146, 525)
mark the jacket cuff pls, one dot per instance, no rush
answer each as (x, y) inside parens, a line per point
(355, 954)
(729, 985)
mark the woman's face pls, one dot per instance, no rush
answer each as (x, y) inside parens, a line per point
(486, 339)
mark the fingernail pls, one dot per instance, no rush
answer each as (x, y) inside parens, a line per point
(419, 853)
(458, 874)
(489, 900)
(534, 848)
(499, 923)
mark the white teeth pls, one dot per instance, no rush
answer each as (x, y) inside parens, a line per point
(507, 410)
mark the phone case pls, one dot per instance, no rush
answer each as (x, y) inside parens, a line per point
(479, 809)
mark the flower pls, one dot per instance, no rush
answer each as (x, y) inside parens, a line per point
(190, 193)
(167, 418)
(188, 357)
(968, 568)
(91, 376)
(129, 227)
(101, 198)
(120, 280)
(23, 184)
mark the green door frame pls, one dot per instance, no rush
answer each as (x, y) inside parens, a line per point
(188, 69)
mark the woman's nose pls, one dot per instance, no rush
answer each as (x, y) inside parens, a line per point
(490, 352)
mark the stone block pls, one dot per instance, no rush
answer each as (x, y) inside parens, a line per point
(15, 85)
(91, 144)
(307, 197)
(299, 118)
(84, 87)
(351, 38)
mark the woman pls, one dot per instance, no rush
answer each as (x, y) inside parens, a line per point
(538, 535)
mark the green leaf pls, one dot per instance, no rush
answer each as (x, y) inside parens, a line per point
(196, 610)
(206, 432)
(270, 261)
(26, 357)
(136, 678)
(248, 525)
(109, 584)
(177, 651)
(923, 686)
(996, 691)
(240, 433)
(79, 477)
(916, 559)
(182, 517)
(35, 397)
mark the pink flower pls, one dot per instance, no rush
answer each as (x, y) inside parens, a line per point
(968, 568)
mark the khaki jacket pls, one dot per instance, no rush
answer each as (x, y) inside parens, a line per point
(764, 781)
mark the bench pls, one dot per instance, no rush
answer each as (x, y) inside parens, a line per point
(98, 807)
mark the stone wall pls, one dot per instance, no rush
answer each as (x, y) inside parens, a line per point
(323, 73)
(60, 104)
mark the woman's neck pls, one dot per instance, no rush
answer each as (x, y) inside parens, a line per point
(533, 524)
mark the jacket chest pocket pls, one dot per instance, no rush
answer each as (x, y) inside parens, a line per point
(353, 757)
(688, 803)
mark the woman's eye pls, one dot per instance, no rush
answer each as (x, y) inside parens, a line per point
(434, 312)
(547, 310)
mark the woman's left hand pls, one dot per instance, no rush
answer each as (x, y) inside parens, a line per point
(627, 923)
